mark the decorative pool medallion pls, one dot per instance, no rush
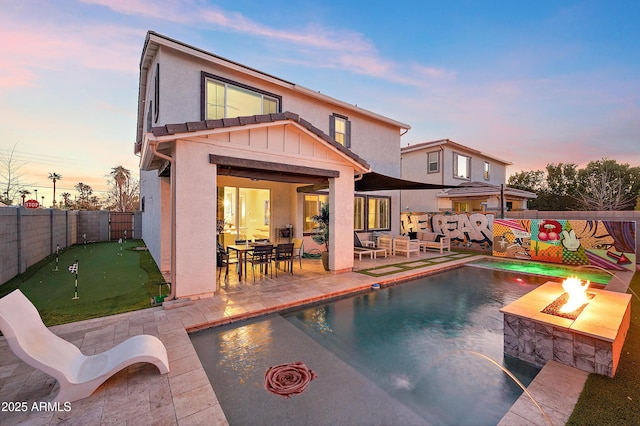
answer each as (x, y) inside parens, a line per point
(288, 379)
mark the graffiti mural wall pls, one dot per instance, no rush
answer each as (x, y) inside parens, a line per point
(608, 244)
(471, 230)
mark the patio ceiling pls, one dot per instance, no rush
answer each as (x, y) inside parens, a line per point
(270, 171)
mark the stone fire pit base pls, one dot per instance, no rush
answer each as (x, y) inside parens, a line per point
(592, 342)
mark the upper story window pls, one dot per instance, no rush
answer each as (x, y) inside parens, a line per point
(225, 99)
(156, 96)
(433, 162)
(487, 169)
(340, 129)
(461, 166)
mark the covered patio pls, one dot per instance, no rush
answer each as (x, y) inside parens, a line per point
(272, 152)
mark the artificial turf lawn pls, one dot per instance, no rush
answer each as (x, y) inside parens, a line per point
(615, 401)
(110, 281)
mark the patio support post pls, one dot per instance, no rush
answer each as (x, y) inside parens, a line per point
(341, 221)
(195, 224)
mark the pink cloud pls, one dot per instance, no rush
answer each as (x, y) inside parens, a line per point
(29, 48)
(13, 78)
(330, 47)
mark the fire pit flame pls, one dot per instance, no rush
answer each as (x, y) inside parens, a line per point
(577, 292)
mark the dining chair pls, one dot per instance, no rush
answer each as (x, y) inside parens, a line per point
(298, 250)
(224, 260)
(284, 254)
(261, 255)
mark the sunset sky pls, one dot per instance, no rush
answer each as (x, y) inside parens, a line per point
(529, 82)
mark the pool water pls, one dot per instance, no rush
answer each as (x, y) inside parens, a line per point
(401, 355)
(599, 278)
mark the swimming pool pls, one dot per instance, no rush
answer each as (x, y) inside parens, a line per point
(400, 355)
(597, 277)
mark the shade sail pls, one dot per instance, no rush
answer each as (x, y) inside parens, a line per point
(373, 181)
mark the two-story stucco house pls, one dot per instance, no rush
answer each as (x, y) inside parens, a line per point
(480, 179)
(224, 149)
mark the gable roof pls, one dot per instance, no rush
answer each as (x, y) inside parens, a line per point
(152, 44)
(455, 145)
(239, 122)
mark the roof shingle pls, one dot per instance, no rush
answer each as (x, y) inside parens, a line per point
(194, 126)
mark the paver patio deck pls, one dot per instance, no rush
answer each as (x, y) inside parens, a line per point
(139, 395)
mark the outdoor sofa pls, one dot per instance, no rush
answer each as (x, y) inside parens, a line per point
(432, 240)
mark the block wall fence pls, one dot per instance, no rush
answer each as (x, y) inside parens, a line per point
(29, 235)
(474, 231)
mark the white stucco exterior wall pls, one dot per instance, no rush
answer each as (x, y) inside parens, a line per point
(180, 88)
(195, 186)
(341, 223)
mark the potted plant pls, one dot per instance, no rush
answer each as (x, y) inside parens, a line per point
(322, 232)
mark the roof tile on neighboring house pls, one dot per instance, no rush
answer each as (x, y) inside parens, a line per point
(228, 123)
(453, 145)
(483, 188)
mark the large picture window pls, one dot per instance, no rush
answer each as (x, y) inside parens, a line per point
(379, 213)
(311, 208)
(370, 213)
(225, 99)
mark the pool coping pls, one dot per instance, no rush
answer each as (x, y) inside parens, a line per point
(185, 396)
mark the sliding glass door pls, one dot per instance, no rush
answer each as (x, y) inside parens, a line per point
(246, 213)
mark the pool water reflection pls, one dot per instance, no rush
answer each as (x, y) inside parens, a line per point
(402, 354)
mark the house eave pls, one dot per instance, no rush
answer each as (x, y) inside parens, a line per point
(154, 40)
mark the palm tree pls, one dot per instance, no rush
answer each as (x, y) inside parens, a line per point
(23, 194)
(54, 177)
(121, 176)
(66, 196)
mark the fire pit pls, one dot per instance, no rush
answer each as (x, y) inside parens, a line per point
(589, 336)
(571, 303)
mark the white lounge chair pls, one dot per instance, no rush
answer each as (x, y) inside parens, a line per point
(360, 249)
(78, 375)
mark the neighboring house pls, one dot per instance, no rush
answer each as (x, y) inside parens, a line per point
(224, 150)
(480, 177)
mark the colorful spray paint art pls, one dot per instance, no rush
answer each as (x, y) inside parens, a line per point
(607, 244)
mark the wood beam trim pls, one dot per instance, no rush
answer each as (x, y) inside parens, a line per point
(242, 163)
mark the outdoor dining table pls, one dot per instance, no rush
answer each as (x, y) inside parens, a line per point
(242, 250)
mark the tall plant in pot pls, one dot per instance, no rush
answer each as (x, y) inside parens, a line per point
(322, 232)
